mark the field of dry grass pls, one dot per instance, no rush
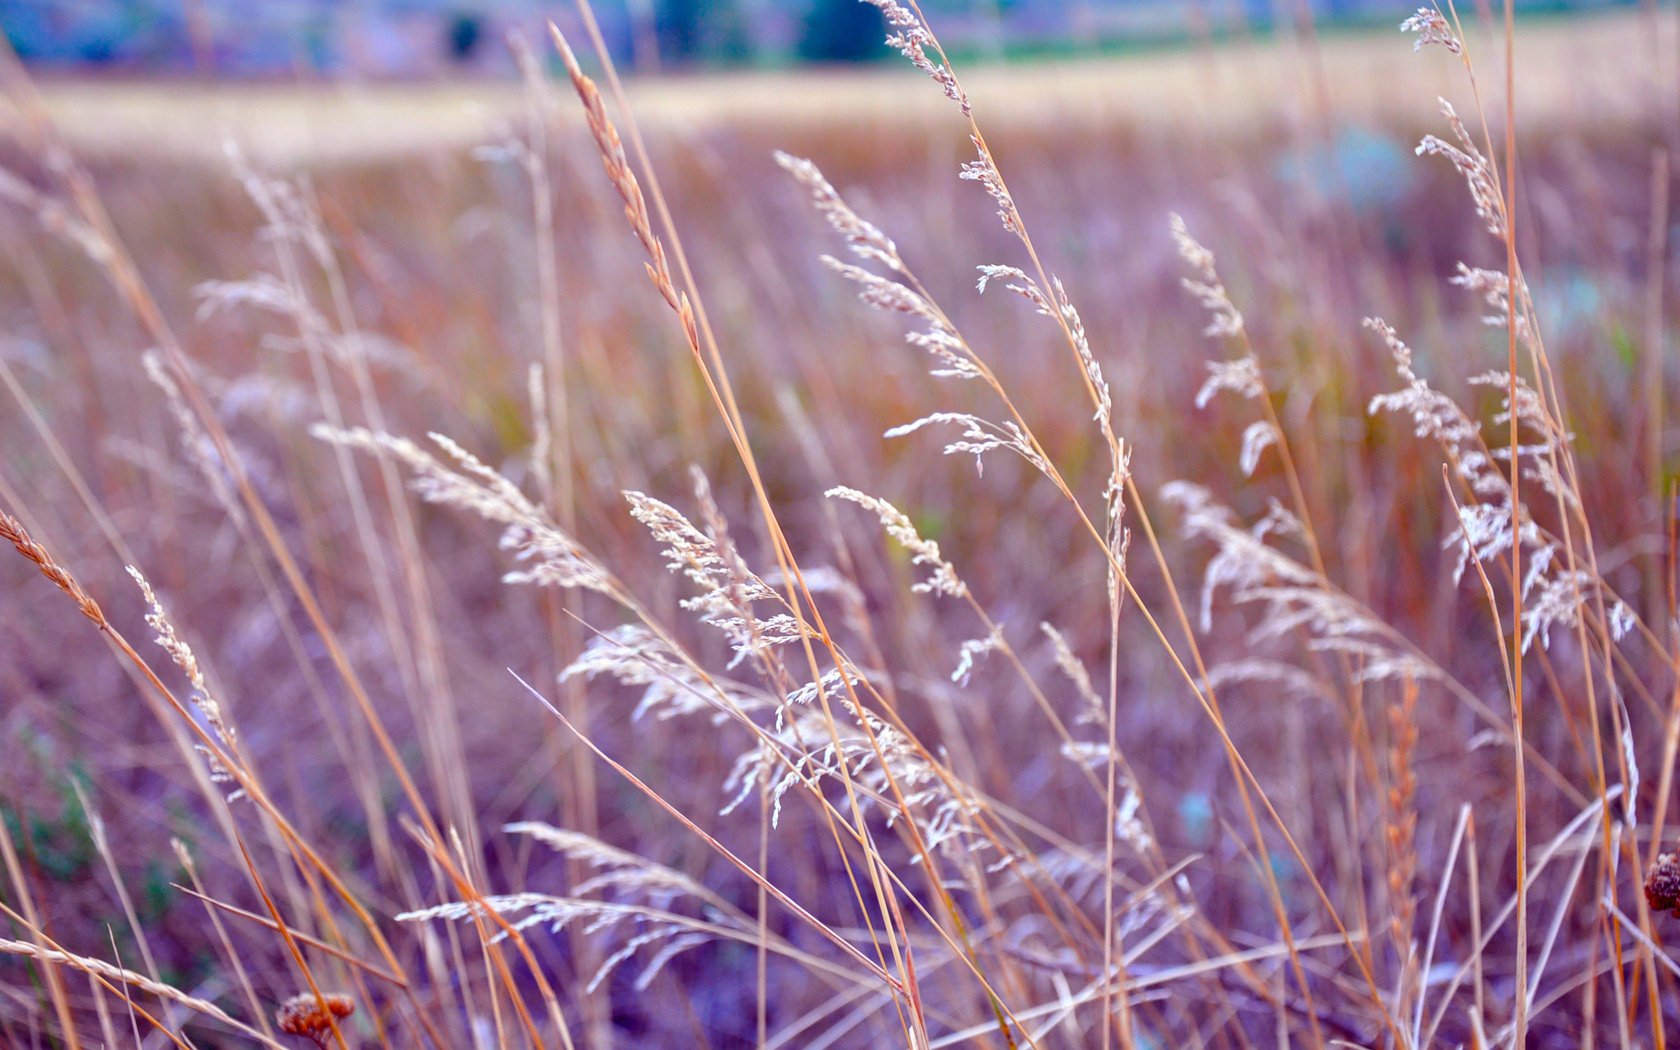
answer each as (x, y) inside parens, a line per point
(1245, 697)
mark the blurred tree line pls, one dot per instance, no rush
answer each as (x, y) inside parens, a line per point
(841, 31)
(419, 36)
(410, 38)
(721, 31)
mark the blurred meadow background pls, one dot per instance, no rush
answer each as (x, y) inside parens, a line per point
(1241, 699)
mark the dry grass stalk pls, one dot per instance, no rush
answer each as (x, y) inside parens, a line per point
(1400, 839)
(109, 976)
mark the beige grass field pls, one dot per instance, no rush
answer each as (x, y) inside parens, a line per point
(468, 595)
(1610, 66)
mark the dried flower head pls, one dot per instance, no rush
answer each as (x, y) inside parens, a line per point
(313, 1016)
(1662, 884)
(1432, 28)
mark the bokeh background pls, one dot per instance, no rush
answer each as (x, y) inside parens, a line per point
(1285, 136)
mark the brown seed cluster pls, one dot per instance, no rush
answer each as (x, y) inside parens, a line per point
(1662, 885)
(313, 1016)
(12, 531)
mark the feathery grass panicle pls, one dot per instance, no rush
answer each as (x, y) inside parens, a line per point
(1291, 595)
(627, 928)
(551, 557)
(1285, 679)
(1257, 437)
(884, 760)
(624, 181)
(103, 972)
(55, 218)
(1239, 376)
(942, 575)
(640, 916)
(984, 170)
(620, 871)
(913, 40)
(864, 238)
(1553, 594)
(1017, 281)
(1438, 418)
(980, 436)
(201, 699)
(1473, 166)
(881, 293)
(1494, 289)
(288, 209)
(728, 589)
(972, 650)
(1075, 327)
(1209, 290)
(672, 686)
(952, 357)
(1244, 562)
(200, 449)
(1432, 28)
(1092, 710)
